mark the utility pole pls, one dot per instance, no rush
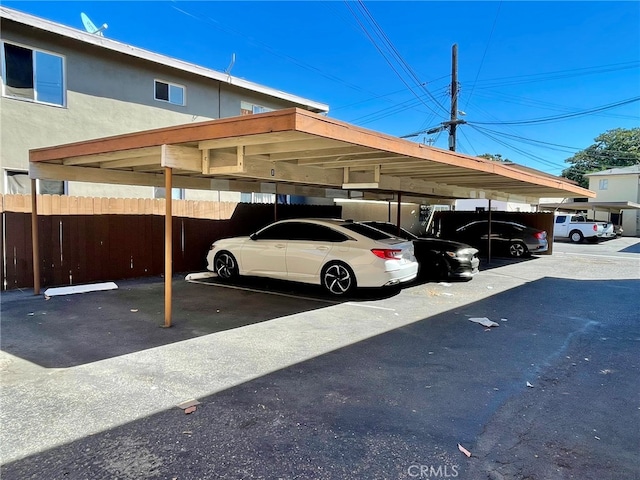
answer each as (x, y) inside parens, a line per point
(454, 98)
(454, 121)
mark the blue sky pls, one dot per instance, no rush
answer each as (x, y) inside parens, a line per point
(517, 62)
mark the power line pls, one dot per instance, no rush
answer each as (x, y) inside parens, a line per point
(253, 41)
(519, 150)
(518, 100)
(554, 75)
(564, 148)
(391, 49)
(562, 117)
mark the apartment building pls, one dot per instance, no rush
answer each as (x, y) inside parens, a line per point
(62, 85)
(619, 185)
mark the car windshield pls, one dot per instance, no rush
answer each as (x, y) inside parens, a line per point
(365, 230)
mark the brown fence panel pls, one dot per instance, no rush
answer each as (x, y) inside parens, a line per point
(78, 249)
(19, 258)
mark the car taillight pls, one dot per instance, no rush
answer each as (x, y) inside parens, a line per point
(595, 227)
(540, 235)
(387, 253)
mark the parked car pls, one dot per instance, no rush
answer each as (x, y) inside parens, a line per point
(337, 254)
(507, 238)
(438, 258)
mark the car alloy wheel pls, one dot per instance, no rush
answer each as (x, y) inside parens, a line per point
(517, 250)
(226, 266)
(338, 279)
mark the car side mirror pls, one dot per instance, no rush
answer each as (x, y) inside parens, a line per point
(252, 236)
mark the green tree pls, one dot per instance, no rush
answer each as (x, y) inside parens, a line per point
(615, 148)
(496, 158)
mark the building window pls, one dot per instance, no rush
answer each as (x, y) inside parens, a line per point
(33, 75)
(161, 192)
(257, 198)
(603, 184)
(247, 108)
(170, 92)
(17, 182)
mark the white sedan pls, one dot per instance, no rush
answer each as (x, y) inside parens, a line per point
(337, 254)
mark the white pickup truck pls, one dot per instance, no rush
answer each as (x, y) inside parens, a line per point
(576, 227)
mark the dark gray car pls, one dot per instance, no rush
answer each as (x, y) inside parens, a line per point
(507, 238)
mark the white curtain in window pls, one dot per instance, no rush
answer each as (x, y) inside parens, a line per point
(18, 183)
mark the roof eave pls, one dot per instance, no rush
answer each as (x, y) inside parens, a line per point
(133, 51)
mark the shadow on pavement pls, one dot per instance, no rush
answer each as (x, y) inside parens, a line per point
(406, 397)
(632, 248)
(71, 330)
(497, 262)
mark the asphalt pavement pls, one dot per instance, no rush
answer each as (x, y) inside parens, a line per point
(293, 384)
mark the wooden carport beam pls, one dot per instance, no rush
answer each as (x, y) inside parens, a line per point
(181, 158)
(111, 156)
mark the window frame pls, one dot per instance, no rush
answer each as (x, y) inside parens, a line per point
(3, 69)
(160, 193)
(169, 85)
(255, 108)
(7, 172)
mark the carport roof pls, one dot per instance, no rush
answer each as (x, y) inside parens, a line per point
(293, 151)
(611, 207)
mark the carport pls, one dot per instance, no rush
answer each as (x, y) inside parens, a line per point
(607, 207)
(292, 152)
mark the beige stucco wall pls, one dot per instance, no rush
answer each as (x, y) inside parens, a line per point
(379, 211)
(107, 94)
(620, 188)
(469, 204)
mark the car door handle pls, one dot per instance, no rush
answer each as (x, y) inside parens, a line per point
(280, 245)
(322, 248)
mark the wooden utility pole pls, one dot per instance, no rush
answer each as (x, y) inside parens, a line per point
(454, 98)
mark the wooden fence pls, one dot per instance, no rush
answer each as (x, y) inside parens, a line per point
(65, 205)
(83, 248)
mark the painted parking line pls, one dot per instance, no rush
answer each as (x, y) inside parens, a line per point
(370, 306)
(266, 292)
(621, 256)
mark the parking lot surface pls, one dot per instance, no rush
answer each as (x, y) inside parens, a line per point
(294, 384)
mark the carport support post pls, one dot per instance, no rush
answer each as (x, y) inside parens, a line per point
(168, 246)
(489, 236)
(398, 212)
(35, 240)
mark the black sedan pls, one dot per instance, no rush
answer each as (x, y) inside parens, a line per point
(438, 258)
(507, 238)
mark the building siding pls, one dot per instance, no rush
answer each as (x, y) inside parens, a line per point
(108, 93)
(621, 188)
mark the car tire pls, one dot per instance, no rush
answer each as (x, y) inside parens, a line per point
(442, 269)
(518, 250)
(225, 265)
(576, 236)
(338, 279)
